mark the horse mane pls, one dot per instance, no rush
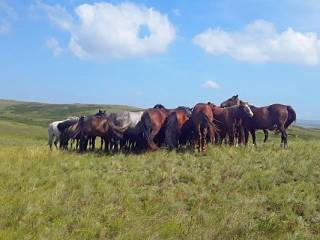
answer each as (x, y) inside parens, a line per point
(159, 106)
(186, 109)
(252, 106)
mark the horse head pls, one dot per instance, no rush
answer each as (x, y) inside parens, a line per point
(246, 108)
(186, 109)
(100, 113)
(159, 106)
(234, 100)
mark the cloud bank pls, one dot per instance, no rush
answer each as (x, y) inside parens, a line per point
(260, 42)
(103, 30)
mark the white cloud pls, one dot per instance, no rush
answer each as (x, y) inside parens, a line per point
(54, 46)
(103, 30)
(210, 85)
(8, 16)
(57, 14)
(260, 42)
(176, 12)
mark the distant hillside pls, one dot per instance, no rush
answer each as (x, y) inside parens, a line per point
(40, 114)
(308, 123)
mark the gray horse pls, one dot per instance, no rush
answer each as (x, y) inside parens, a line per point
(132, 134)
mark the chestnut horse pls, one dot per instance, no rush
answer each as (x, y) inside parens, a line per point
(175, 123)
(204, 128)
(275, 116)
(152, 125)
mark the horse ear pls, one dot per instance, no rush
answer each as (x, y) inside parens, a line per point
(236, 96)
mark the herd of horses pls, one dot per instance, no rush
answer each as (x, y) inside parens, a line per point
(230, 122)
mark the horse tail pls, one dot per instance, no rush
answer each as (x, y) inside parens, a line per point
(146, 130)
(61, 127)
(118, 131)
(171, 132)
(211, 126)
(292, 116)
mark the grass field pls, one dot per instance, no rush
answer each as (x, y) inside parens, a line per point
(259, 192)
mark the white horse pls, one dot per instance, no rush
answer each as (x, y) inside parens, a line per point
(54, 133)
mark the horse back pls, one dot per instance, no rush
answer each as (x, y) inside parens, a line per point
(157, 116)
(200, 112)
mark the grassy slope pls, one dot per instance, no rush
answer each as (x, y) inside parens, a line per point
(41, 114)
(229, 193)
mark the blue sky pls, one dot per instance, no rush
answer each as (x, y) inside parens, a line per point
(171, 52)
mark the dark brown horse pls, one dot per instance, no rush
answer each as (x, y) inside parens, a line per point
(229, 119)
(63, 127)
(274, 117)
(204, 128)
(71, 133)
(152, 125)
(175, 123)
(234, 100)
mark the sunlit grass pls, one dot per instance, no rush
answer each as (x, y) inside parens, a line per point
(227, 193)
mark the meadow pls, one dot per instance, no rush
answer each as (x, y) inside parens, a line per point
(261, 192)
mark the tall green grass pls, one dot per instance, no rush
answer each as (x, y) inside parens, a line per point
(249, 192)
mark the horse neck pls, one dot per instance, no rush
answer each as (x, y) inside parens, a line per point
(168, 111)
(233, 111)
(218, 111)
(253, 108)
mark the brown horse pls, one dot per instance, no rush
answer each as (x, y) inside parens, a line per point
(97, 126)
(175, 123)
(234, 100)
(203, 121)
(275, 116)
(228, 120)
(63, 128)
(71, 133)
(152, 125)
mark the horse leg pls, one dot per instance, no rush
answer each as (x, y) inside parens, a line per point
(246, 136)
(204, 140)
(151, 143)
(284, 137)
(199, 138)
(212, 135)
(222, 136)
(199, 145)
(101, 144)
(50, 140)
(241, 135)
(231, 137)
(106, 145)
(253, 135)
(217, 139)
(56, 140)
(93, 143)
(266, 135)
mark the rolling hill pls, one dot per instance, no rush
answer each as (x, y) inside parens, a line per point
(41, 114)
